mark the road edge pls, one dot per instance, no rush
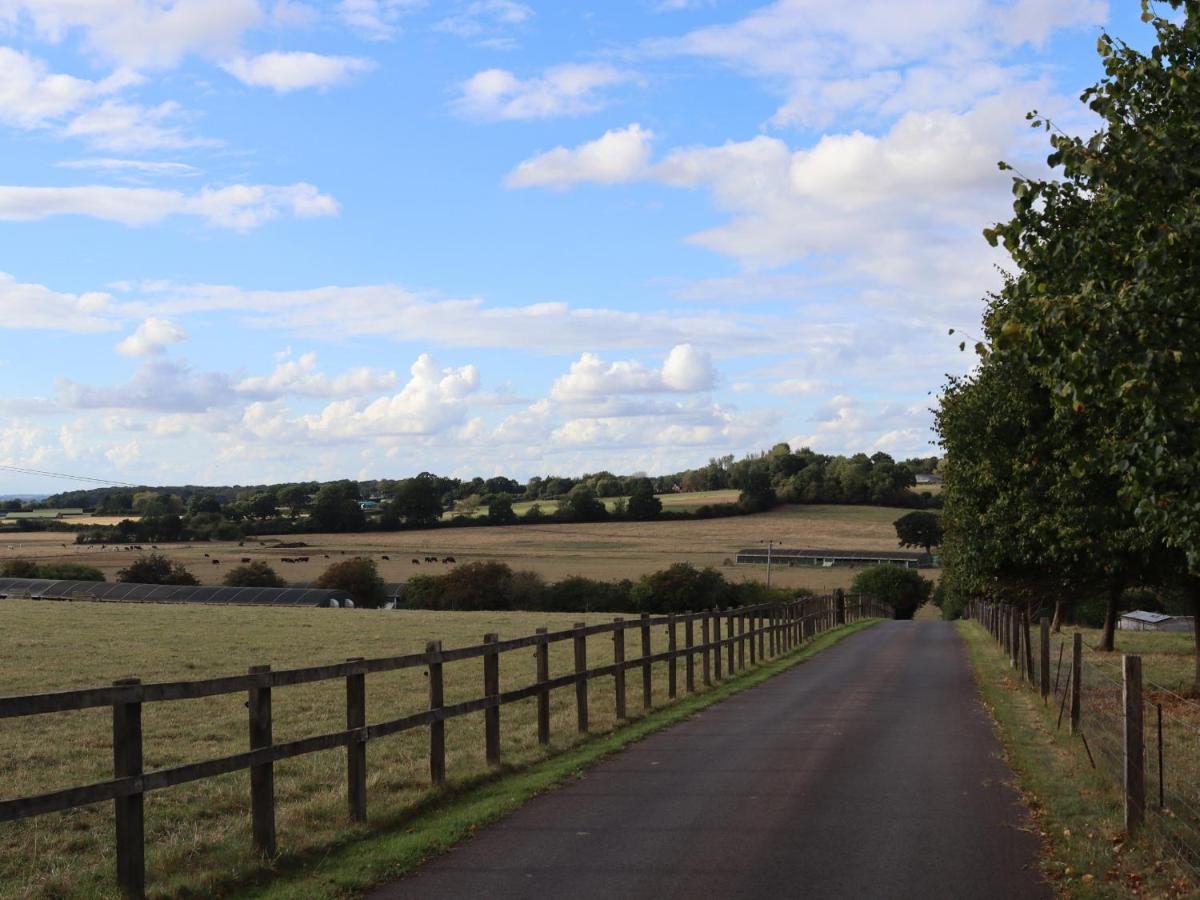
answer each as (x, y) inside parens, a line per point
(347, 870)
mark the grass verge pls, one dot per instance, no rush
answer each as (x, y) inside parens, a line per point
(456, 814)
(1076, 811)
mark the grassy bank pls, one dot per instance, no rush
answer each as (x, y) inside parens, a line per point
(1077, 812)
(198, 834)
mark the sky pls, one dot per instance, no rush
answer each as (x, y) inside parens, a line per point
(248, 241)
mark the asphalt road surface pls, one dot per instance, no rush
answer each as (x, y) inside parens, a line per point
(868, 772)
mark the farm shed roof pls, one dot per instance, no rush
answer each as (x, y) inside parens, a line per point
(783, 554)
(43, 588)
(1141, 615)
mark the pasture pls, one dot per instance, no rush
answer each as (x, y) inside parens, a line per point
(604, 550)
(197, 834)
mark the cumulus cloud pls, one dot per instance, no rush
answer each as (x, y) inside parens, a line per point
(31, 96)
(617, 156)
(566, 90)
(301, 377)
(284, 72)
(685, 370)
(240, 206)
(433, 400)
(24, 306)
(140, 34)
(486, 20)
(160, 385)
(151, 338)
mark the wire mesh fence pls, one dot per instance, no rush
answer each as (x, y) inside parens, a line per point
(1087, 691)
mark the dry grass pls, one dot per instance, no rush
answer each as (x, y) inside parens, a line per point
(198, 834)
(609, 551)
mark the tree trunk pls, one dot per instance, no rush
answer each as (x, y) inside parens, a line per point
(1115, 588)
(1196, 632)
(1056, 625)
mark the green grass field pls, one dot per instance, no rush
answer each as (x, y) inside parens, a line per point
(198, 834)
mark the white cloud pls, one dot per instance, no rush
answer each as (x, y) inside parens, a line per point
(159, 385)
(566, 90)
(685, 370)
(617, 156)
(35, 306)
(119, 126)
(483, 17)
(151, 338)
(291, 71)
(301, 377)
(433, 400)
(30, 96)
(124, 454)
(376, 19)
(240, 206)
(141, 33)
(132, 166)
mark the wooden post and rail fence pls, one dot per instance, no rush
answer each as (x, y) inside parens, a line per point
(762, 632)
(1009, 625)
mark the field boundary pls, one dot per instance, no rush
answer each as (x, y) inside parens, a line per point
(762, 632)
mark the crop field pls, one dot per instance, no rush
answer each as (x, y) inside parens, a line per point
(605, 550)
(197, 835)
(682, 502)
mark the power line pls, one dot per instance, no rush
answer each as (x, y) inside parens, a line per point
(87, 478)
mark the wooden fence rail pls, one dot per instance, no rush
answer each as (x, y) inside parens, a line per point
(778, 628)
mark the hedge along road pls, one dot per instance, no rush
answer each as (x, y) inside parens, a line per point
(870, 771)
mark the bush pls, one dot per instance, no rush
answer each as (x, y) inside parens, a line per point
(69, 572)
(154, 568)
(359, 577)
(579, 594)
(682, 587)
(255, 574)
(19, 568)
(904, 589)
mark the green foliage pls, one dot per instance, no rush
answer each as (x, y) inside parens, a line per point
(254, 574)
(642, 503)
(680, 588)
(155, 568)
(336, 508)
(581, 505)
(919, 529)
(359, 577)
(19, 568)
(904, 589)
(26, 568)
(418, 501)
(500, 510)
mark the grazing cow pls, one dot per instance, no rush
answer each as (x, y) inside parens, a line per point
(245, 559)
(388, 558)
(327, 556)
(206, 554)
(416, 562)
(431, 559)
(154, 546)
(216, 562)
(285, 559)
(448, 559)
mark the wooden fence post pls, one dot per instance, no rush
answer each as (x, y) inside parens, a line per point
(1044, 656)
(1028, 644)
(753, 638)
(706, 672)
(731, 639)
(491, 688)
(741, 660)
(689, 641)
(1135, 749)
(672, 652)
(1076, 676)
(437, 729)
(581, 687)
(356, 750)
(127, 761)
(262, 777)
(770, 625)
(542, 652)
(761, 617)
(839, 602)
(647, 671)
(717, 648)
(618, 661)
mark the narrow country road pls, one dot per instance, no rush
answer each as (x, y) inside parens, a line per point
(868, 772)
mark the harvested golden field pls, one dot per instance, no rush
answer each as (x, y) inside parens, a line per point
(198, 834)
(606, 550)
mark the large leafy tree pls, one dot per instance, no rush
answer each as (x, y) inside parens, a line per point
(1103, 311)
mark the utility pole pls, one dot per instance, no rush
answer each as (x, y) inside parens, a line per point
(769, 544)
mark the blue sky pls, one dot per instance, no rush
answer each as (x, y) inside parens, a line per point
(247, 241)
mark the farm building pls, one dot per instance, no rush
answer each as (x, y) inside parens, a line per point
(926, 478)
(48, 589)
(830, 558)
(1140, 620)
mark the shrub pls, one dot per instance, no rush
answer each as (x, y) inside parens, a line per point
(579, 594)
(680, 588)
(154, 568)
(19, 568)
(69, 572)
(904, 589)
(359, 577)
(255, 574)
